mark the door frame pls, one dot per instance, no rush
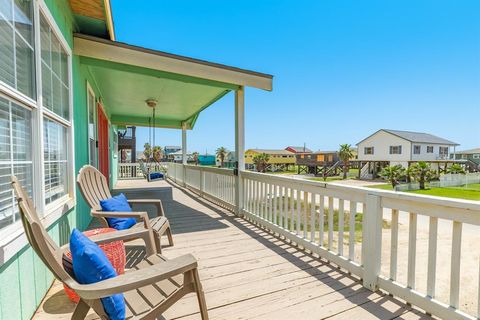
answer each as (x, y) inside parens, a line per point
(103, 141)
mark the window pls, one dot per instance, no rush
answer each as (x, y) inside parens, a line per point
(15, 156)
(476, 156)
(55, 157)
(92, 127)
(17, 67)
(20, 117)
(443, 150)
(55, 91)
(368, 150)
(429, 149)
(416, 149)
(56, 103)
(395, 149)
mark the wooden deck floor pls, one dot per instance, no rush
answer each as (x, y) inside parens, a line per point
(248, 273)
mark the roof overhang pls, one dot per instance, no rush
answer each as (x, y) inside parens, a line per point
(119, 52)
(126, 76)
(94, 17)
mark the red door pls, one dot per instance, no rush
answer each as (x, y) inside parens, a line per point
(103, 159)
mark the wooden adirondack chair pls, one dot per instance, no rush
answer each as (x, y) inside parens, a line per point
(94, 187)
(149, 289)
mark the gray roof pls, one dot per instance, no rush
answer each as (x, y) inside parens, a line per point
(419, 137)
(300, 149)
(471, 151)
(172, 147)
(272, 151)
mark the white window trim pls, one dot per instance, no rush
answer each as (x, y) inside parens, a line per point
(90, 91)
(12, 238)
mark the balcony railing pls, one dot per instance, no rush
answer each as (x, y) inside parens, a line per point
(133, 170)
(363, 231)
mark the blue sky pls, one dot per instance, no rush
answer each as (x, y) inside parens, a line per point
(342, 69)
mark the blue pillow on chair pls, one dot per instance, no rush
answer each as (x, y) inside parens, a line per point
(118, 204)
(90, 265)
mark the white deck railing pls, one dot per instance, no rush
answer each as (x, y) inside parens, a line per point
(216, 184)
(129, 171)
(134, 171)
(408, 245)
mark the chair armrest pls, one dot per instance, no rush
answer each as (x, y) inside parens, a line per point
(156, 202)
(117, 214)
(143, 215)
(121, 235)
(135, 279)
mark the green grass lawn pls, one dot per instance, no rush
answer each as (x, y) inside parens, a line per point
(470, 192)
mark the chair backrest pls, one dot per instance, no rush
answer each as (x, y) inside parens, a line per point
(41, 242)
(93, 186)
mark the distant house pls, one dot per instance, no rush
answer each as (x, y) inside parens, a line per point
(170, 149)
(206, 159)
(318, 162)
(228, 161)
(178, 156)
(470, 157)
(472, 154)
(391, 147)
(279, 159)
(298, 149)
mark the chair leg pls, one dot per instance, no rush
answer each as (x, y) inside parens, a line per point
(81, 310)
(158, 244)
(200, 295)
(169, 235)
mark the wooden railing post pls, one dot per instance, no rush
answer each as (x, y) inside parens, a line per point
(201, 182)
(372, 241)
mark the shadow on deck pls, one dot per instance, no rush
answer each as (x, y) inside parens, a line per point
(247, 273)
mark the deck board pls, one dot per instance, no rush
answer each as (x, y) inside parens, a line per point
(247, 273)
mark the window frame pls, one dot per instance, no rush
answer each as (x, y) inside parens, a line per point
(91, 92)
(417, 147)
(392, 149)
(12, 237)
(368, 153)
(442, 149)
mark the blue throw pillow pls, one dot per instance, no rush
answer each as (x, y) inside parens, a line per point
(118, 204)
(90, 265)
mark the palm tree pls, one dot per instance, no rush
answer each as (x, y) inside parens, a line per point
(221, 154)
(261, 161)
(456, 169)
(195, 157)
(392, 174)
(421, 172)
(147, 151)
(345, 154)
(157, 153)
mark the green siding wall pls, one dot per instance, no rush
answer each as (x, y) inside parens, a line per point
(25, 276)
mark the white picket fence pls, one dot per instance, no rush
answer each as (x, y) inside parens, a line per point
(346, 225)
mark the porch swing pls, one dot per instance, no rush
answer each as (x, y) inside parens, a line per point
(156, 175)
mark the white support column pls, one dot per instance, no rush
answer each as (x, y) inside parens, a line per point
(184, 152)
(239, 146)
